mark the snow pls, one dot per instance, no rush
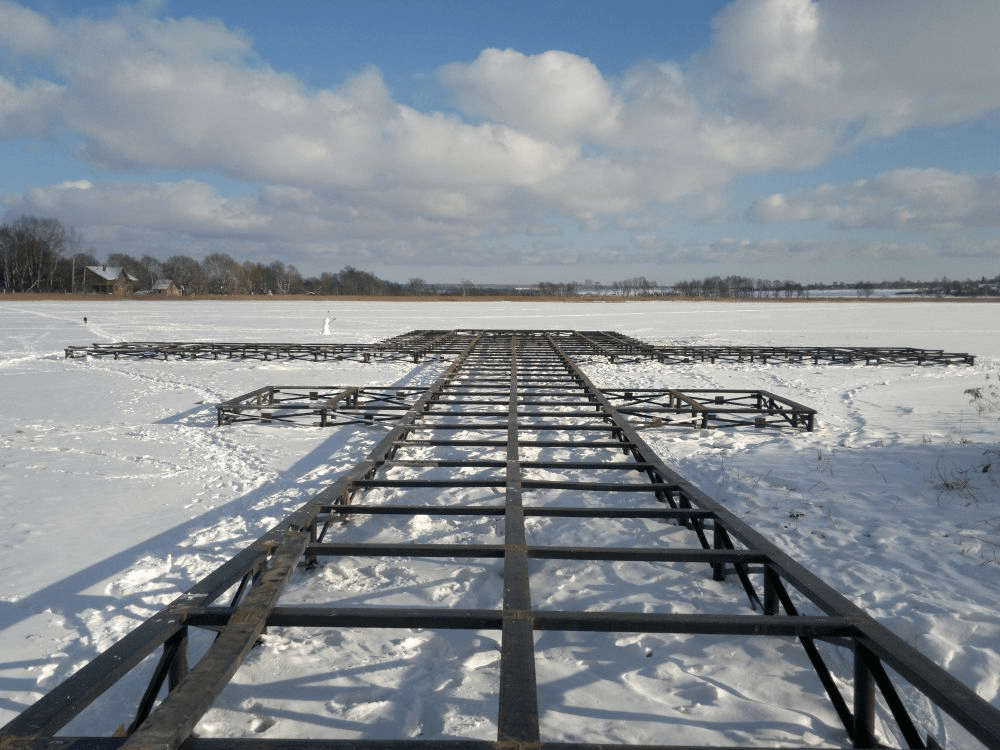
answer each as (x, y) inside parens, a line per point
(118, 492)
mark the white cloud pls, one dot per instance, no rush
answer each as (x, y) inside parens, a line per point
(30, 109)
(319, 232)
(188, 217)
(864, 69)
(441, 151)
(187, 206)
(898, 198)
(23, 31)
(831, 259)
(556, 95)
(784, 82)
(145, 92)
(648, 242)
(540, 140)
(774, 46)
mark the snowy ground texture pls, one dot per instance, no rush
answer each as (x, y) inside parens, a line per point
(118, 492)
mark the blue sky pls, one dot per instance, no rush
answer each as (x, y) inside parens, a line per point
(514, 141)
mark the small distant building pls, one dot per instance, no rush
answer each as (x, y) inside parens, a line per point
(166, 288)
(111, 280)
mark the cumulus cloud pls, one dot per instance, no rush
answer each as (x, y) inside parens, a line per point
(862, 69)
(775, 46)
(535, 141)
(186, 206)
(189, 216)
(784, 82)
(555, 95)
(24, 32)
(898, 198)
(145, 92)
(30, 109)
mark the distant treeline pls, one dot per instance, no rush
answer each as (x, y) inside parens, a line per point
(737, 287)
(42, 255)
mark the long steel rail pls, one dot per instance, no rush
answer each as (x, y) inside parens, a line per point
(516, 408)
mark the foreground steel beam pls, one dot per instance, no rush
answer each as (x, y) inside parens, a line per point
(529, 397)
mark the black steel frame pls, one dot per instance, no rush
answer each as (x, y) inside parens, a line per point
(322, 406)
(620, 346)
(531, 394)
(328, 406)
(711, 407)
(617, 347)
(245, 350)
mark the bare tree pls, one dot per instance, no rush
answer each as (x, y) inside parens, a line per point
(282, 279)
(30, 250)
(153, 270)
(186, 273)
(255, 278)
(225, 275)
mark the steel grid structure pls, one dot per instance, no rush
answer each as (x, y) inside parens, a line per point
(699, 408)
(816, 355)
(535, 413)
(321, 406)
(614, 346)
(711, 407)
(244, 350)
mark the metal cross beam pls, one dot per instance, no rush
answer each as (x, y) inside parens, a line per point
(700, 408)
(321, 406)
(614, 346)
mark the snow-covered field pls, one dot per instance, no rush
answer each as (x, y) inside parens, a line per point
(118, 492)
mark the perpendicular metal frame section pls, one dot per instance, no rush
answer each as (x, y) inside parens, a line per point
(612, 345)
(225, 350)
(413, 346)
(712, 407)
(619, 346)
(321, 406)
(327, 406)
